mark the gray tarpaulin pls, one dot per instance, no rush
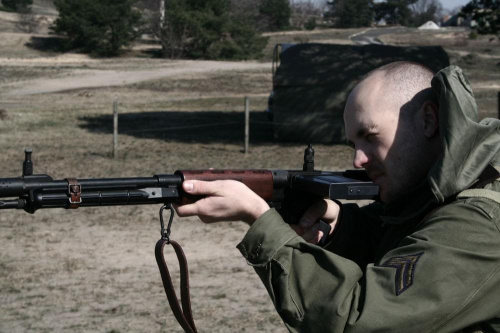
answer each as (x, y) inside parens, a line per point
(313, 81)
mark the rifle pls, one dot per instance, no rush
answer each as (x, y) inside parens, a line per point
(291, 192)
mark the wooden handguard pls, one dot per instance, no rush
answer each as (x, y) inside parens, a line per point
(259, 181)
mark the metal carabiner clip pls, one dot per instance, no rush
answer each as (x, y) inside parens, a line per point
(166, 234)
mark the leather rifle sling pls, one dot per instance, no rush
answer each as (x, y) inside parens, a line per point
(183, 315)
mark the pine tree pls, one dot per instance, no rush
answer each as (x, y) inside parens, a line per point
(351, 13)
(486, 13)
(100, 27)
(277, 13)
(204, 29)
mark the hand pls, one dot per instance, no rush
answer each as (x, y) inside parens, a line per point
(223, 200)
(308, 226)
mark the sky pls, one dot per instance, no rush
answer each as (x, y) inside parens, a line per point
(447, 4)
(451, 4)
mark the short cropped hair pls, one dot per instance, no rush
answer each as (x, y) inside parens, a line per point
(410, 83)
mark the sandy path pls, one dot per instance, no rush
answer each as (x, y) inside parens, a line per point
(105, 78)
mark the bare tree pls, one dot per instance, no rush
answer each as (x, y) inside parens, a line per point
(161, 10)
(303, 11)
(452, 11)
(173, 36)
(426, 10)
(248, 11)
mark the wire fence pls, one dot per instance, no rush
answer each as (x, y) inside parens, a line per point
(193, 126)
(165, 129)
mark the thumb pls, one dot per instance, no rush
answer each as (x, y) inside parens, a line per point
(198, 187)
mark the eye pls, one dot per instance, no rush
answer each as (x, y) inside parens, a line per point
(370, 137)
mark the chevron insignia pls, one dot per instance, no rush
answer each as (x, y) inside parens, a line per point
(405, 270)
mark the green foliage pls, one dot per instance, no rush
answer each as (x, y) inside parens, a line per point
(486, 13)
(310, 24)
(277, 14)
(204, 29)
(473, 34)
(17, 5)
(99, 27)
(5, 9)
(394, 11)
(351, 13)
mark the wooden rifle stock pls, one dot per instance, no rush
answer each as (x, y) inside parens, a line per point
(259, 181)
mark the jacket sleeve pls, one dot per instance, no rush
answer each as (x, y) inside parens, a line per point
(442, 278)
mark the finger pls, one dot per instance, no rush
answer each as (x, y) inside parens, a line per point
(313, 237)
(313, 214)
(319, 235)
(187, 210)
(311, 233)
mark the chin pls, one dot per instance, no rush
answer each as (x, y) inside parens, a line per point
(384, 196)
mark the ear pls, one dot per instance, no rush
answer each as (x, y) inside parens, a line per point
(430, 112)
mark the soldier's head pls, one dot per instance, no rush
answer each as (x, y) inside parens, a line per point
(391, 121)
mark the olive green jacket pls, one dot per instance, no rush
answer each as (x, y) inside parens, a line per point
(427, 263)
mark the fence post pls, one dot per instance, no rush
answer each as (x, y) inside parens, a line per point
(247, 123)
(115, 129)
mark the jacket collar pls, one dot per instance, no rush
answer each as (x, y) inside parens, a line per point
(411, 206)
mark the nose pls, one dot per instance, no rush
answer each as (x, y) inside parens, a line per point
(360, 159)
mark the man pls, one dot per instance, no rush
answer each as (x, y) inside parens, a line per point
(426, 258)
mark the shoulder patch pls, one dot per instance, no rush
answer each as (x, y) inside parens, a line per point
(405, 270)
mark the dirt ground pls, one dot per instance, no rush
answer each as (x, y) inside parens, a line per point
(93, 270)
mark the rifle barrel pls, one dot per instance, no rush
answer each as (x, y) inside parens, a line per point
(12, 187)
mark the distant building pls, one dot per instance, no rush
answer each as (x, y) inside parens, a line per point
(456, 21)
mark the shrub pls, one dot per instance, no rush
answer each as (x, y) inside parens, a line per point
(310, 24)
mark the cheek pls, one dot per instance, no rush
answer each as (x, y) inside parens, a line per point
(381, 153)
(388, 149)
